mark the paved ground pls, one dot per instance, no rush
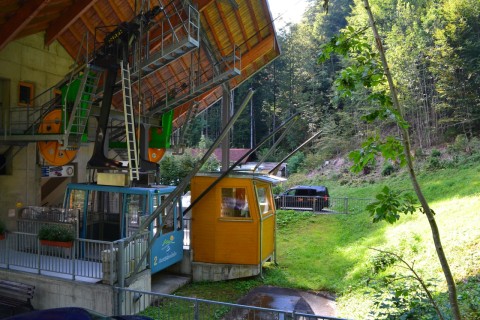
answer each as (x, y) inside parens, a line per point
(168, 283)
(265, 296)
(290, 300)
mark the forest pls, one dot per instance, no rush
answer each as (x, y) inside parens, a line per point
(433, 51)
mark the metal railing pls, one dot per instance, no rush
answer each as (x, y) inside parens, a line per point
(164, 306)
(85, 260)
(320, 204)
(186, 233)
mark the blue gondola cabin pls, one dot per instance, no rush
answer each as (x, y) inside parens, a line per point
(110, 213)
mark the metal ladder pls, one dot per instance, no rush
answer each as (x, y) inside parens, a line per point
(82, 106)
(133, 170)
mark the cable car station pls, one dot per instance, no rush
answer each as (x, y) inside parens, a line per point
(93, 93)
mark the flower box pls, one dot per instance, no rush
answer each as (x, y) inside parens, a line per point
(63, 244)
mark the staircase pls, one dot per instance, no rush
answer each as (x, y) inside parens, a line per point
(81, 108)
(132, 152)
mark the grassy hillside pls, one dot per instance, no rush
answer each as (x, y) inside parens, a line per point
(334, 252)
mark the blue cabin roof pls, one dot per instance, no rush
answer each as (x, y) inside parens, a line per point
(158, 189)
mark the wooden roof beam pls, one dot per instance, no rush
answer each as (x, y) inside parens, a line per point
(203, 3)
(242, 28)
(10, 29)
(61, 24)
(224, 22)
(255, 22)
(210, 23)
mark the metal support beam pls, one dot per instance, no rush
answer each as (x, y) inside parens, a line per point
(184, 183)
(226, 100)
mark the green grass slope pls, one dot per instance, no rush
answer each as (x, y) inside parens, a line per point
(333, 252)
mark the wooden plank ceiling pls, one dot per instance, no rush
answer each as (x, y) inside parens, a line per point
(225, 24)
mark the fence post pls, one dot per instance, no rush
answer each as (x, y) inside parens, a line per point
(120, 298)
(345, 210)
(7, 250)
(195, 312)
(121, 263)
(73, 255)
(113, 262)
(39, 256)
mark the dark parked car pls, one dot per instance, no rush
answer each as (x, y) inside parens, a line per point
(304, 198)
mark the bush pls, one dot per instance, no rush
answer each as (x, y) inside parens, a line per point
(313, 162)
(388, 169)
(56, 232)
(434, 161)
(404, 298)
(381, 261)
(295, 162)
(435, 153)
(459, 146)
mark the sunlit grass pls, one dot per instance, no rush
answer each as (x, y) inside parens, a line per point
(332, 252)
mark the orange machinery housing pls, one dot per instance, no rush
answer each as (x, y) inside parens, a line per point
(233, 225)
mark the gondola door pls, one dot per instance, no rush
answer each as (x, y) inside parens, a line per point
(168, 247)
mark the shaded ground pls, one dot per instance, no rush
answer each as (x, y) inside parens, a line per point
(288, 300)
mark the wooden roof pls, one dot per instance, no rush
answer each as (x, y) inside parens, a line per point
(245, 26)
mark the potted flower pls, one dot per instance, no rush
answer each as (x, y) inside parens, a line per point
(3, 230)
(56, 235)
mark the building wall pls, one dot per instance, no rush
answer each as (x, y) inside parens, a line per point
(22, 186)
(28, 60)
(53, 292)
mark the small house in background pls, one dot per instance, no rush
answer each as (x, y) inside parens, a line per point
(234, 154)
(265, 167)
(233, 225)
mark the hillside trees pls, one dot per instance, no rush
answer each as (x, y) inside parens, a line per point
(433, 49)
(370, 70)
(456, 64)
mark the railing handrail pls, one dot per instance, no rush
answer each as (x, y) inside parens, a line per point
(226, 304)
(103, 252)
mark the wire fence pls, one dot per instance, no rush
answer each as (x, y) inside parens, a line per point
(317, 204)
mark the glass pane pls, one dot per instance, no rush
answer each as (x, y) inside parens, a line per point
(135, 207)
(235, 203)
(263, 199)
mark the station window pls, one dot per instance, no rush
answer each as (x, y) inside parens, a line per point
(135, 206)
(235, 203)
(25, 93)
(263, 197)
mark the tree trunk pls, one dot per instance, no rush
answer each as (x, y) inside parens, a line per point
(452, 291)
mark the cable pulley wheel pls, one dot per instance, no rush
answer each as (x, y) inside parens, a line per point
(52, 151)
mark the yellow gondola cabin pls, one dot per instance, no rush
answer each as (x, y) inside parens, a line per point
(233, 225)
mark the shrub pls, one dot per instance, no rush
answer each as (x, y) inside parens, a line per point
(295, 162)
(388, 169)
(56, 232)
(404, 298)
(434, 161)
(435, 153)
(313, 162)
(381, 261)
